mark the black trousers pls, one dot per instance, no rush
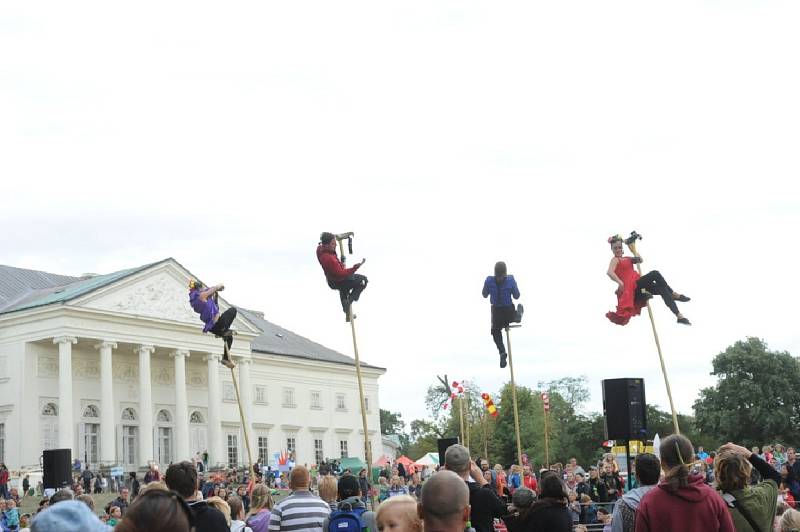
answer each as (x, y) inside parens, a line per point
(654, 283)
(349, 289)
(501, 318)
(223, 324)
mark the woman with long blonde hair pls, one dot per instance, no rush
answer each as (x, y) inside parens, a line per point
(260, 508)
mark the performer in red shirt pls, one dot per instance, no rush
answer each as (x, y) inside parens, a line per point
(345, 280)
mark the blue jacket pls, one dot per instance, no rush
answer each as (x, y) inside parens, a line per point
(508, 288)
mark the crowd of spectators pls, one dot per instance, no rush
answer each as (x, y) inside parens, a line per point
(684, 489)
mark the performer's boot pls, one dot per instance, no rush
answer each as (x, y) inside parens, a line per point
(682, 320)
(503, 358)
(520, 311)
(680, 297)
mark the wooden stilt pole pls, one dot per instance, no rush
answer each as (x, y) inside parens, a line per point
(514, 396)
(632, 247)
(251, 474)
(367, 449)
(461, 419)
(546, 439)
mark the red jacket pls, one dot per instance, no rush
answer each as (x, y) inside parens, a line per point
(695, 508)
(332, 266)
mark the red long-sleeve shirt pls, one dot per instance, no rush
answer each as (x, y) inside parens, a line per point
(332, 266)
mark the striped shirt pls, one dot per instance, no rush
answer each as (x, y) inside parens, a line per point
(300, 511)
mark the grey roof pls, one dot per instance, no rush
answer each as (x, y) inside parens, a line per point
(279, 341)
(23, 289)
(17, 282)
(46, 288)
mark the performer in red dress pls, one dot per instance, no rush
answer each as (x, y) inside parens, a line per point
(633, 291)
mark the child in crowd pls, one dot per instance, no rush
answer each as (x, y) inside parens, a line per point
(574, 507)
(11, 516)
(398, 514)
(604, 517)
(383, 489)
(588, 510)
(116, 515)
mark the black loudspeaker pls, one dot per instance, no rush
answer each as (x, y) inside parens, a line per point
(57, 468)
(444, 444)
(625, 409)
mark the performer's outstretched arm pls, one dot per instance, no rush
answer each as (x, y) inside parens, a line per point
(514, 289)
(205, 294)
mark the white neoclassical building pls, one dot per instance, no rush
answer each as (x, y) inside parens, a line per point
(116, 368)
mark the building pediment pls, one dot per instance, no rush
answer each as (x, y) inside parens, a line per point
(159, 292)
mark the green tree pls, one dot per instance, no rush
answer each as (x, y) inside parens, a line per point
(756, 398)
(423, 438)
(391, 422)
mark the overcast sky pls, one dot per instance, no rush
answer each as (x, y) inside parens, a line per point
(447, 135)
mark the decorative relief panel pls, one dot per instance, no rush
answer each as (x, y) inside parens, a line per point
(160, 296)
(197, 378)
(163, 375)
(126, 371)
(47, 365)
(85, 368)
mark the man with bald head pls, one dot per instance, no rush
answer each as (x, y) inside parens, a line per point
(445, 503)
(301, 510)
(484, 503)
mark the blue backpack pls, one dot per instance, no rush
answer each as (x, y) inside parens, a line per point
(346, 519)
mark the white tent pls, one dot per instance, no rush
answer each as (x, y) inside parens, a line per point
(430, 459)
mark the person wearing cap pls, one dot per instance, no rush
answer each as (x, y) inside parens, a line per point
(484, 503)
(68, 516)
(349, 283)
(500, 288)
(204, 302)
(522, 500)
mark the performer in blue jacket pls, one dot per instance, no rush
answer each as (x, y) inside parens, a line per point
(500, 288)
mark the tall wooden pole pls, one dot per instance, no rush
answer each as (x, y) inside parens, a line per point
(632, 247)
(351, 317)
(514, 397)
(546, 437)
(241, 414)
(461, 419)
(466, 421)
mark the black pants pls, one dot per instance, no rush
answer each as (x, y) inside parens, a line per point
(349, 289)
(654, 283)
(501, 318)
(223, 324)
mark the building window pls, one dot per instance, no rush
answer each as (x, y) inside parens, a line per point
(164, 445)
(263, 450)
(288, 397)
(343, 448)
(340, 404)
(291, 446)
(228, 393)
(366, 404)
(316, 400)
(233, 450)
(49, 424)
(89, 448)
(130, 443)
(261, 394)
(318, 456)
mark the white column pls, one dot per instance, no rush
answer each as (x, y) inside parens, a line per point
(214, 417)
(108, 444)
(181, 407)
(245, 391)
(145, 405)
(66, 427)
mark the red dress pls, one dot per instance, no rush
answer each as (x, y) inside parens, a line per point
(627, 306)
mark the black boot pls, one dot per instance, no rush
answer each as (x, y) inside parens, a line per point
(503, 358)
